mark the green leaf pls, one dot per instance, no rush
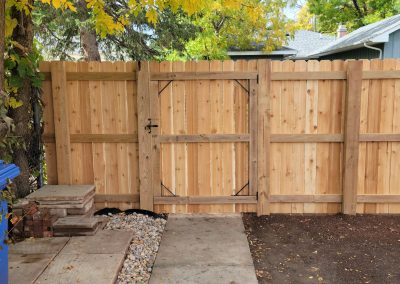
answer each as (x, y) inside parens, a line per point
(15, 81)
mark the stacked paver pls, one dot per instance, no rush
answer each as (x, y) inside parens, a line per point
(62, 210)
(64, 200)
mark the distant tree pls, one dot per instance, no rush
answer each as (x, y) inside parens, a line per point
(304, 19)
(352, 13)
(206, 33)
(223, 28)
(63, 34)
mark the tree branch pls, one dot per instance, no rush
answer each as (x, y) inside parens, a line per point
(357, 7)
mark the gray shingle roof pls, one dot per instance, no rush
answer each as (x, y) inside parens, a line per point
(302, 43)
(306, 42)
(373, 33)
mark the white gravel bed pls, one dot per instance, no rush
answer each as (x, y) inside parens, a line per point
(143, 248)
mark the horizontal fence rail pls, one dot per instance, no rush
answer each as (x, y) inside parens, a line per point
(276, 76)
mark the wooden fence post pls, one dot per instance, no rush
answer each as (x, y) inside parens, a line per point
(145, 152)
(263, 136)
(61, 122)
(351, 136)
(253, 127)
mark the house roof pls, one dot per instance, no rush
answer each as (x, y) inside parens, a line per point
(371, 34)
(306, 42)
(302, 43)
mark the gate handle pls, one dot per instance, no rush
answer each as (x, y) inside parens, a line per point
(149, 126)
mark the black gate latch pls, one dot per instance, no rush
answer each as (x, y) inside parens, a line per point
(149, 126)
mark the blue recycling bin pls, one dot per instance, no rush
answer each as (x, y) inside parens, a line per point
(7, 172)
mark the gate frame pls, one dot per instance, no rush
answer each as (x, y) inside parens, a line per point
(258, 136)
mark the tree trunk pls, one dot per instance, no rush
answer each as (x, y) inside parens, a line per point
(88, 38)
(23, 34)
(3, 125)
(2, 41)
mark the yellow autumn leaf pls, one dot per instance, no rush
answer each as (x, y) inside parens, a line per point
(90, 3)
(11, 23)
(56, 4)
(70, 6)
(151, 16)
(232, 4)
(14, 103)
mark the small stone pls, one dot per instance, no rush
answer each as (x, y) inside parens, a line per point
(143, 249)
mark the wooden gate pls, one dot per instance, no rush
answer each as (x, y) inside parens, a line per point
(198, 125)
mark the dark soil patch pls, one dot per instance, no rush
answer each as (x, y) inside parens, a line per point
(325, 249)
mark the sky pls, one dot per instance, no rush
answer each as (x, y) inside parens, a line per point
(291, 12)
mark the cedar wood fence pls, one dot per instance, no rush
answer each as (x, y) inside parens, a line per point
(233, 136)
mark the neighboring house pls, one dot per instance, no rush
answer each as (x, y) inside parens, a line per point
(302, 43)
(377, 40)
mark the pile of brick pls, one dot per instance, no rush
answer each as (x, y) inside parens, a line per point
(32, 222)
(58, 210)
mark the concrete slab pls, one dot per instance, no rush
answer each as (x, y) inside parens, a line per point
(220, 274)
(76, 222)
(83, 268)
(67, 204)
(38, 246)
(204, 249)
(95, 259)
(62, 192)
(104, 242)
(26, 268)
(28, 259)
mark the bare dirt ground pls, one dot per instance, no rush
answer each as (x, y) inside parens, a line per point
(325, 249)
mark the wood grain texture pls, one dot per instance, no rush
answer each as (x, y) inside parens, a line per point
(210, 138)
(351, 136)
(306, 138)
(203, 75)
(263, 137)
(209, 200)
(155, 116)
(61, 123)
(145, 151)
(95, 76)
(314, 75)
(48, 127)
(253, 127)
(128, 198)
(380, 137)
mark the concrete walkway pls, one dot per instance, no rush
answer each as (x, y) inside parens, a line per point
(90, 259)
(204, 249)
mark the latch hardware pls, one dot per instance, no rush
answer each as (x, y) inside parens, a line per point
(149, 126)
